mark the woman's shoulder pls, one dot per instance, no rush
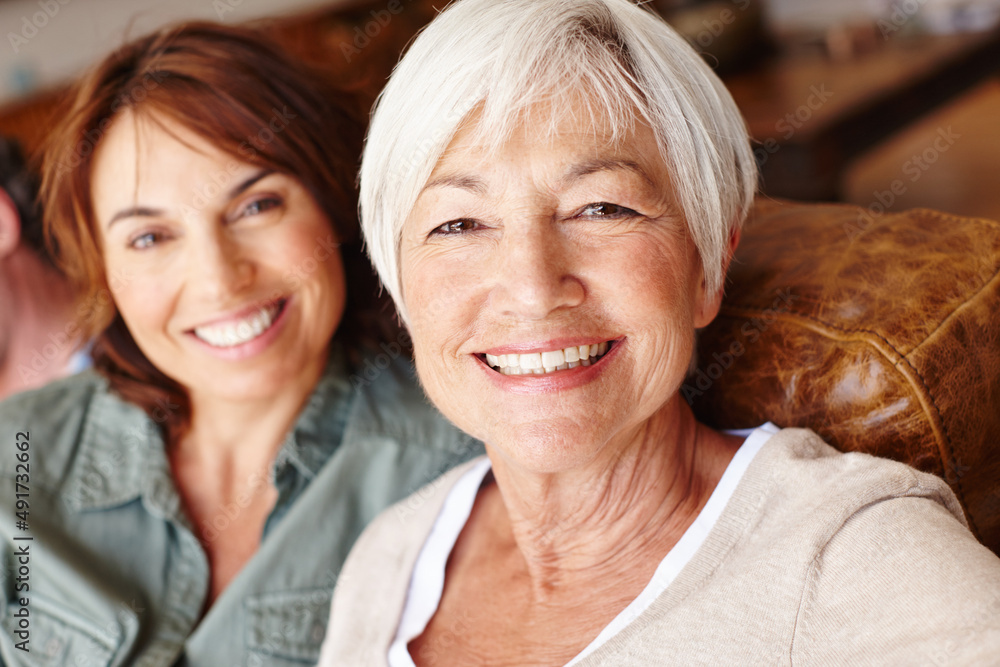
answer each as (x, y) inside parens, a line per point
(52, 419)
(379, 567)
(881, 540)
(813, 474)
(61, 393)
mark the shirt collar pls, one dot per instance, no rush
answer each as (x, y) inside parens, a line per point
(319, 429)
(122, 457)
(119, 444)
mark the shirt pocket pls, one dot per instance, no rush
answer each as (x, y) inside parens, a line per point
(58, 636)
(289, 625)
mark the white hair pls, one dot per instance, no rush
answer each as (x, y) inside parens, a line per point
(502, 58)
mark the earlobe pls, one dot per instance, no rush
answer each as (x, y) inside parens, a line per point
(709, 304)
(10, 225)
(734, 242)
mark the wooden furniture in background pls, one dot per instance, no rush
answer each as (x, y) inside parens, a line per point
(812, 116)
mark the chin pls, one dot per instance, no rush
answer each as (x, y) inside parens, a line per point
(251, 384)
(546, 446)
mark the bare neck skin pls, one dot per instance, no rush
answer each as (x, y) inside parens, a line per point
(630, 505)
(38, 339)
(224, 462)
(560, 555)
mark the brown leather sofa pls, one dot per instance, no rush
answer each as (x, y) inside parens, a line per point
(879, 332)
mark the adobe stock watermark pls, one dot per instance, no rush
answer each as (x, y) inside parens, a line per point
(441, 646)
(248, 149)
(373, 368)
(410, 505)
(403, 170)
(225, 515)
(223, 7)
(975, 621)
(372, 28)
(793, 121)
(132, 440)
(702, 379)
(151, 79)
(901, 13)
(31, 25)
(713, 28)
(913, 169)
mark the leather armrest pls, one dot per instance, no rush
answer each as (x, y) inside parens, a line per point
(881, 333)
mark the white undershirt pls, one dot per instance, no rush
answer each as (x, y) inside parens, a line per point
(427, 580)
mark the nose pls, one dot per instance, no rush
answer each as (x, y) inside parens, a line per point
(535, 272)
(219, 266)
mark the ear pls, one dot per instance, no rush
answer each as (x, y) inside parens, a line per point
(709, 304)
(10, 225)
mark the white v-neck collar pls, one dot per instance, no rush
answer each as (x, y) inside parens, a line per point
(427, 579)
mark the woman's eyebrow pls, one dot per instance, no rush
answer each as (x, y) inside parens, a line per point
(143, 211)
(471, 183)
(135, 211)
(247, 183)
(578, 171)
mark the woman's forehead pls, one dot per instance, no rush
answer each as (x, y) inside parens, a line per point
(584, 139)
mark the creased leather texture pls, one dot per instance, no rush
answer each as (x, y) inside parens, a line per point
(881, 333)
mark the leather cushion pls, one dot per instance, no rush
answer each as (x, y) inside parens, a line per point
(881, 333)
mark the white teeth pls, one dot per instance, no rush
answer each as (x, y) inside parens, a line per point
(553, 359)
(529, 361)
(540, 363)
(242, 331)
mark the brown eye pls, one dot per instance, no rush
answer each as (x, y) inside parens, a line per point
(606, 210)
(456, 227)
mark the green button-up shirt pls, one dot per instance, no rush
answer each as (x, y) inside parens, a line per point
(108, 570)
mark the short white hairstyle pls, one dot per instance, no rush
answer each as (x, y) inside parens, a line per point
(502, 58)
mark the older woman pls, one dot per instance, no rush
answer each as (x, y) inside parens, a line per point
(191, 503)
(552, 192)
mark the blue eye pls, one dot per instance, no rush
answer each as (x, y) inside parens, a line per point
(145, 240)
(606, 210)
(259, 206)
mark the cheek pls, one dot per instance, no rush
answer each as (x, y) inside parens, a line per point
(307, 257)
(441, 313)
(645, 277)
(144, 303)
(677, 265)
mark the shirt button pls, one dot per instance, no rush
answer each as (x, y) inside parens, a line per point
(317, 632)
(53, 646)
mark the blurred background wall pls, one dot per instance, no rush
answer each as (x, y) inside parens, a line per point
(54, 39)
(889, 104)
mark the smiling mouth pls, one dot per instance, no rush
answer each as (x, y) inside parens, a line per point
(243, 330)
(552, 361)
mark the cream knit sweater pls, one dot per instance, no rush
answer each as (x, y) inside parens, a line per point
(819, 558)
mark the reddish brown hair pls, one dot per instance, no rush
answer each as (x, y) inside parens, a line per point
(227, 85)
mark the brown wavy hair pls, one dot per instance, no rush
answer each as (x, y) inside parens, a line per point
(226, 84)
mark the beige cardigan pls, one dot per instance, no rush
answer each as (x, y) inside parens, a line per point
(819, 558)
